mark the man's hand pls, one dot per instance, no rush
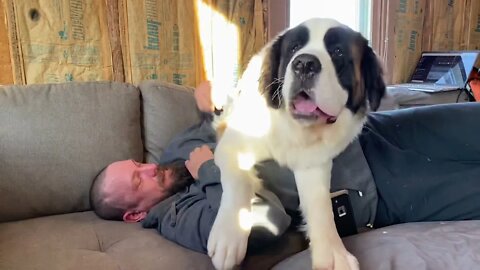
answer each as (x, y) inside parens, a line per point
(198, 156)
(203, 97)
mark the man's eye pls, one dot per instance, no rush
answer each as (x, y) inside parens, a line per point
(136, 163)
(136, 181)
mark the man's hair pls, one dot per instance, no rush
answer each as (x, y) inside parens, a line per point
(107, 210)
(98, 201)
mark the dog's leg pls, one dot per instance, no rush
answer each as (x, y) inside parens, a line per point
(328, 251)
(227, 243)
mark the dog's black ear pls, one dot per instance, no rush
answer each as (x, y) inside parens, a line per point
(270, 84)
(372, 73)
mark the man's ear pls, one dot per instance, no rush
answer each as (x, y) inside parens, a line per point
(133, 216)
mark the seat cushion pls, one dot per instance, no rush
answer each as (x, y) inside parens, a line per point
(419, 246)
(83, 241)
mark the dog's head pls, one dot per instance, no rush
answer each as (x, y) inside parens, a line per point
(320, 68)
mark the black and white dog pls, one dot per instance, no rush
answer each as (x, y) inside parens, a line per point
(302, 99)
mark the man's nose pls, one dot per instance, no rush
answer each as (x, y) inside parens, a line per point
(148, 169)
(306, 66)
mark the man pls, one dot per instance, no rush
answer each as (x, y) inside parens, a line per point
(181, 197)
(126, 190)
(419, 164)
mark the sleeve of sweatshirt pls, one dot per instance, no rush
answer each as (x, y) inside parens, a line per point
(209, 183)
(183, 144)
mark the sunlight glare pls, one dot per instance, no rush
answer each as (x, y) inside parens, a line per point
(251, 116)
(220, 44)
(246, 219)
(246, 161)
(219, 40)
(258, 218)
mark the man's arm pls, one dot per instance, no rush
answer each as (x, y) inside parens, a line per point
(189, 217)
(206, 174)
(203, 97)
(199, 134)
(209, 183)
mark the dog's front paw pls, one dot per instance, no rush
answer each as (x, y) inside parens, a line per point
(334, 259)
(227, 243)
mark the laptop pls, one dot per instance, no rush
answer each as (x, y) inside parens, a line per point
(441, 71)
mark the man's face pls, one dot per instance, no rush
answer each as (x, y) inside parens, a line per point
(136, 186)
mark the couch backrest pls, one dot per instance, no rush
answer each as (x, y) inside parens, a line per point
(55, 138)
(167, 110)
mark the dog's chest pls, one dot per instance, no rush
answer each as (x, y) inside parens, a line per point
(301, 157)
(294, 149)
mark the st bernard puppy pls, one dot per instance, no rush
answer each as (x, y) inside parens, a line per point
(302, 99)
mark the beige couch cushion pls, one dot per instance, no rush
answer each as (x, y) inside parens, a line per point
(55, 138)
(83, 241)
(167, 110)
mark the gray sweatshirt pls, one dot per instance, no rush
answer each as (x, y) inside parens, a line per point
(187, 217)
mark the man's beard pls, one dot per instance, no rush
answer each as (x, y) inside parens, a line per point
(181, 176)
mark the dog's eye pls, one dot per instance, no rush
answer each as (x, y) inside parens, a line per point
(338, 52)
(295, 48)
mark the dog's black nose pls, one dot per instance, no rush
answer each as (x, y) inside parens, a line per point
(306, 66)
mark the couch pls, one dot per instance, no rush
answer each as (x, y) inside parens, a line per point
(55, 138)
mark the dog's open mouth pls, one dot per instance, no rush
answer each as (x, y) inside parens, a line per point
(303, 107)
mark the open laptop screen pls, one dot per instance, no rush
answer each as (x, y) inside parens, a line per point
(452, 68)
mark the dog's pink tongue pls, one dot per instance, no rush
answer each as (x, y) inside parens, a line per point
(305, 106)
